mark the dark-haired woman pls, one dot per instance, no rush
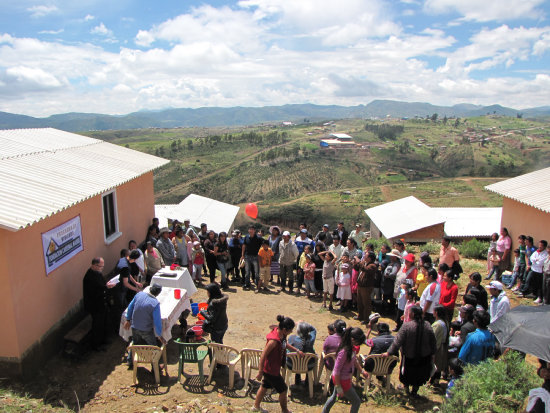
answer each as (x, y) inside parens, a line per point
(504, 245)
(221, 251)
(211, 261)
(416, 340)
(344, 367)
(216, 313)
(271, 361)
(274, 241)
(333, 341)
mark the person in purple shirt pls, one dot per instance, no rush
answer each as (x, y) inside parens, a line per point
(344, 367)
(333, 341)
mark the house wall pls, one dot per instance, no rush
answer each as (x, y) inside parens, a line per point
(523, 219)
(34, 302)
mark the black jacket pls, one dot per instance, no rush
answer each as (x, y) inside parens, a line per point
(216, 313)
(94, 289)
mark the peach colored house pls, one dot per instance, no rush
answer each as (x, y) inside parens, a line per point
(526, 204)
(64, 199)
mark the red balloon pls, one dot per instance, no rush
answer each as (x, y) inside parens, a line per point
(251, 210)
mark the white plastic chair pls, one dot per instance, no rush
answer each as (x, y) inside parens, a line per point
(381, 368)
(250, 360)
(328, 372)
(300, 366)
(226, 355)
(143, 354)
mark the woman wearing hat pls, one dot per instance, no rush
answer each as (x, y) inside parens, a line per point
(388, 281)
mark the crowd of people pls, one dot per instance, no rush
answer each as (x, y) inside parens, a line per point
(346, 274)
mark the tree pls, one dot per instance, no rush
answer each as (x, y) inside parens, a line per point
(433, 153)
(434, 117)
(457, 122)
(445, 120)
(189, 144)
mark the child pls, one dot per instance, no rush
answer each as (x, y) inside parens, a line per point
(309, 275)
(344, 288)
(300, 270)
(492, 245)
(328, 277)
(354, 275)
(411, 298)
(515, 272)
(455, 372)
(265, 254)
(197, 257)
(495, 259)
(401, 304)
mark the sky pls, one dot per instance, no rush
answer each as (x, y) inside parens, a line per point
(122, 56)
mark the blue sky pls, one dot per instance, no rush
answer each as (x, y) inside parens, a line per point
(122, 56)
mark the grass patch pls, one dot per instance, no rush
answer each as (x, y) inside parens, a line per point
(12, 402)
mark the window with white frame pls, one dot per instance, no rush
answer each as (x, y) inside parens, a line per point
(110, 216)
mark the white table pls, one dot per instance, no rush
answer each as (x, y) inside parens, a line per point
(170, 310)
(181, 280)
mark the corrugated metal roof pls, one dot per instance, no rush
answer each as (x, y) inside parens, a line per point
(162, 212)
(532, 189)
(403, 216)
(219, 216)
(470, 222)
(44, 171)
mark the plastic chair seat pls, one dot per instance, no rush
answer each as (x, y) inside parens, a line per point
(145, 354)
(382, 366)
(328, 372)
(190, 353)
(300, 366)
(250, 360)
(225, 355)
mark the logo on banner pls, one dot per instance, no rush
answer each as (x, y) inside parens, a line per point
(62, 243)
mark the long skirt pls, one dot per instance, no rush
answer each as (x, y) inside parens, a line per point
(415, 371)
(275, 268)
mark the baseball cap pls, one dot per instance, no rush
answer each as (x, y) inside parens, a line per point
(303, 230)
(325, 225)
(409, 257)
(286, 234)
(496, 285)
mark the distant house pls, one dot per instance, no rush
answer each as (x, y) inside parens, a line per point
(407, 218)
(198, 209)
(526, 204)
(414, 221)
(337, 140)
(64, 199)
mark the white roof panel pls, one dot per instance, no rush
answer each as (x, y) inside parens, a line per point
(532, 189)
(403, 216)
(219, 216)
(470, 222)
(341, 135)
(162, 212)
(44, 171)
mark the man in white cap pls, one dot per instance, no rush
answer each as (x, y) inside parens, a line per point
(500, 304)
(288, 253)
(165, 247)
(358, 235)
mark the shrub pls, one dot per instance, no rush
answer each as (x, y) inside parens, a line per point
(473, 249)
(378, 243)
(496, 387)
(432, 247)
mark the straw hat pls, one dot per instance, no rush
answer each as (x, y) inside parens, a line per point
(394, 253)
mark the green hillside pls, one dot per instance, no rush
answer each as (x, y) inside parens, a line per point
(444, 162)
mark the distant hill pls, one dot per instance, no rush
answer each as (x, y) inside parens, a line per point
(237, 116)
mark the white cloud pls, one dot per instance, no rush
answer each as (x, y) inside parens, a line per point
(51, 31)
(486, 10)
(88, 17)
(42, 10)
(101, 30)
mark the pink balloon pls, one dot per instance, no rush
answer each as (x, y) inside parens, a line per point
(251, 210)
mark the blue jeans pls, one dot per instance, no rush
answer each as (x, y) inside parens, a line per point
(252, 260)
(350, 395)
(222, 266)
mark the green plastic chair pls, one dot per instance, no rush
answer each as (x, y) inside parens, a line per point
(190, 353)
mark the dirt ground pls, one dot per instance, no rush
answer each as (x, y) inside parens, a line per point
(101, 382)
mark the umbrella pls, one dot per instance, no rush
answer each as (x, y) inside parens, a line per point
(526, 329)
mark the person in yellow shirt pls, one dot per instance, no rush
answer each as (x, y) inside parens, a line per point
(422, 279)
(265, 255)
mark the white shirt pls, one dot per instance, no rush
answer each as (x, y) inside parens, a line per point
(336, 250)
(428, 296)
(537, 260)
(499, 306)
(358, 236)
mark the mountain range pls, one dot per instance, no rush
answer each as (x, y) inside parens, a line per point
(238, 116)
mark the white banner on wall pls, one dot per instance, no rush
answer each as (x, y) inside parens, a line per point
(62, 243)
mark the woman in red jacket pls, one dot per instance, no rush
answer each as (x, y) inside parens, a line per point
(271, 360)
(449, 292)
